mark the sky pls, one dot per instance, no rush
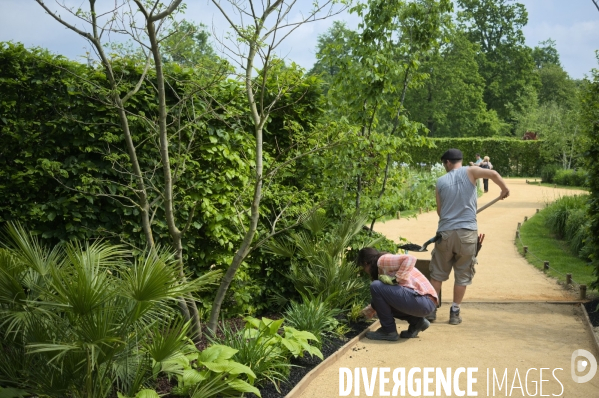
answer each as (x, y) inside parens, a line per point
(573, 24)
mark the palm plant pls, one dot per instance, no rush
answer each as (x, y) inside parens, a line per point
(84, 320)
(320, 266)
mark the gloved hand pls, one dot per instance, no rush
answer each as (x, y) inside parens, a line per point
(387, 280)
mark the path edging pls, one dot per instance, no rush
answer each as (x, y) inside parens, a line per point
(589, 326)
(311, 375)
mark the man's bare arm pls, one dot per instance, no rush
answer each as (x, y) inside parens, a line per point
(438, 202)
(475, 173)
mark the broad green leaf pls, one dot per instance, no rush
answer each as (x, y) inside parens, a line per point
(147, 393)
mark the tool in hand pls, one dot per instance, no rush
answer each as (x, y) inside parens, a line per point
(417, 248)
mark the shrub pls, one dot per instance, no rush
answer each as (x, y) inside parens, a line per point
(548, 172)
(265, 359)
(567, 219)
(570, 177)
(263, 348)
(320, 264)
(314, 316)
(87, 320)
(209, 373)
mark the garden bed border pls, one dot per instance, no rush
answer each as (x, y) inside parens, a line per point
(589, 327)
(305, 381)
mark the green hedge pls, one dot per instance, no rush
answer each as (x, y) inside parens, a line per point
(509, 156)
(590, 102)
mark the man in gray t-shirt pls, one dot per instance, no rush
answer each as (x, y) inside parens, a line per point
(456, 207)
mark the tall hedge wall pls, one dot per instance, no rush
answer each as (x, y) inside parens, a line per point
(590, 101)
(509, 156)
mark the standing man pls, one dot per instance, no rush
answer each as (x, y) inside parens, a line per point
(477, 161)
(456, 207)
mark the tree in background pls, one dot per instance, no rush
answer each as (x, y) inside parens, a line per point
(450, 102)
(187, 43)
(554, 111)
(505, 62)
(370, 71)
(555, 83)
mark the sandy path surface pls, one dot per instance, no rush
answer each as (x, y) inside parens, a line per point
(516, 337)
(501, 274)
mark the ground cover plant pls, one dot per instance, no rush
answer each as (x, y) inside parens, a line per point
(549, 245)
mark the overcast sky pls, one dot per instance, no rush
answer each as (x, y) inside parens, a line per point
(573, 24)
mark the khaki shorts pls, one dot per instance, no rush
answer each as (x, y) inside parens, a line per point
(456, 250)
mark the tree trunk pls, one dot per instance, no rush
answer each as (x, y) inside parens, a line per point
(259, 120)
(192, 312)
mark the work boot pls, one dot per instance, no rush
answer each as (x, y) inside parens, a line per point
(454, 317)
(432, 317)
(380, 334)
(419, 326)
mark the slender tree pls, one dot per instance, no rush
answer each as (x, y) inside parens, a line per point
(143, 22)
(258, 29)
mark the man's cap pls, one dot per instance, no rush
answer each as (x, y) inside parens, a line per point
(452, 154)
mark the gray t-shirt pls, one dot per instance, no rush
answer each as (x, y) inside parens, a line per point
(458, 201)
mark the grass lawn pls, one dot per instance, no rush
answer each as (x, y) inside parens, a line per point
(537, 181)
(542, 243)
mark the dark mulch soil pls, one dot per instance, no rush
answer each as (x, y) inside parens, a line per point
(306, 364)
(591, 307)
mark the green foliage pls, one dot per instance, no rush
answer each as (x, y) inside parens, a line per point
(187, 43)
(543, 243)
(63, 172)
(369, 71)
(558, 126)
(84, 320)
(567, 219)
(292, 343)
(505, 62)
(574, 178)
(510, 157)
(545, 54)
(266, 360)
(548, 172)
(209, 373)
(314, 316)
(320, 267)
(450, 102)
(590, 104)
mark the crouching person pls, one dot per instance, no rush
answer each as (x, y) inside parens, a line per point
(399, 291)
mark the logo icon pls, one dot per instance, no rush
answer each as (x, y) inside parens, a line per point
(580, 365)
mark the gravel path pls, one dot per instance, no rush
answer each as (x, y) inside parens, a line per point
(513, 336)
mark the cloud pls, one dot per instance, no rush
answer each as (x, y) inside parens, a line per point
(575, 43)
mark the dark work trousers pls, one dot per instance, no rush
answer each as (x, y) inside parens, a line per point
(398, 302)
(486, 184)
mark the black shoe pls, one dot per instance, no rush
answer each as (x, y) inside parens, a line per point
(432, 317)
(454, 317)
(420, 326)
(382, 335)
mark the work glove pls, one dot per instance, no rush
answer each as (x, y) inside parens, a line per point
(387, 280)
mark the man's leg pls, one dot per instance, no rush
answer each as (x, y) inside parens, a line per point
(440, 266)
(458, 293)
(463, 271)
